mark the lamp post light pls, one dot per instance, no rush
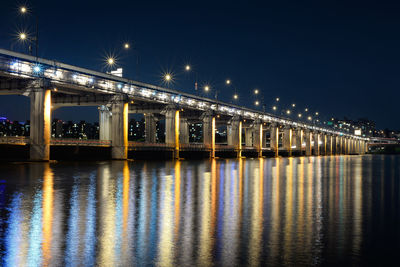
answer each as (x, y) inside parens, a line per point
(24, 10)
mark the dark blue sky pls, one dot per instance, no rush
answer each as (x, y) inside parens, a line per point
(338, 58)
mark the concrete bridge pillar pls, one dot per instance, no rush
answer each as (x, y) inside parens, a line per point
(298, 139)
(323, 148)
(334, 144)
(209, 131)
(316, 143)
(340, 145)
(328, 145)
(235, 134)
(308, 137)
(40, 130)
(258, 136)
(249, 136)
(150, 127)
(119, 129)
(105, 123)
(274, 138)
(287, 140)
(183, 131)
(172, 129)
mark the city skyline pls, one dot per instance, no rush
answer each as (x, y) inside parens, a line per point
(273, 73)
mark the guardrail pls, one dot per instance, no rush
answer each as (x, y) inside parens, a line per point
(79, 142)
(14, 140)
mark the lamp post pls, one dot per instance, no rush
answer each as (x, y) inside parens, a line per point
(24, 10)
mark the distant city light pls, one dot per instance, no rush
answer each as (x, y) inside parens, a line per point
(316, 113)
(23, 9)
(235, 96)
(306, 110)
(187, 67)
(274, 107)
(277, 99)
(256, 103)
(299, 115)
(228, 81)
(256, 91)
(309, 118)
(288, 111)
(293, 105)
(126, 46)
(206, 88)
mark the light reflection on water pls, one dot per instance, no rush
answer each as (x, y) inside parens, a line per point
(283, 211)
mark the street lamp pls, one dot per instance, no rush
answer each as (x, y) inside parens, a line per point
(274, 108)
(256, 91)
(110, 61)
(24, 10)
(235, 96)
(167, 77)
(256, 103)
(206, 88)
(127, 46)
(228, 81)
(187, 68)
(22, 36)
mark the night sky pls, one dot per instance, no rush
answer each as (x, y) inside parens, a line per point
(337, 58)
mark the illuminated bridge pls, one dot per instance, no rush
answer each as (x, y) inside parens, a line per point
(51, 85)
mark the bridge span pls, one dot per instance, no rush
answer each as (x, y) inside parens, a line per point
(51, 85)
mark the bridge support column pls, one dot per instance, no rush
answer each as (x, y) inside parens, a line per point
(316, 144)
(183, 131)
(209, 132)
(329, 145)
(333, 144)
(298, 140)
(287, 140)
(150, 127)
(340, 144)
(105, 123)
(40, 130)
(258, 137)
(308, 137)
(323, 150)
(248, 132)
(274, 139)
(119, 130)
(172, 129)
(235, 134)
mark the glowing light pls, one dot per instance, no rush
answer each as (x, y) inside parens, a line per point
(306, 110)
(187, 67)
(36, 68)
(309, 118)
(228, 81)
(22, 36)
(299, 115)
(256, 103)
(316, 113)
(274, 107)
(167, 77)
(288, 111)
(293, 105)
(277, 99)
(127, 46)
(110, 61)
(235, 96)
(206, 88)
(23, 9)
(256, 91)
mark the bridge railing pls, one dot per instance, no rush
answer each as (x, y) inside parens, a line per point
(79, 142)
(14, 140)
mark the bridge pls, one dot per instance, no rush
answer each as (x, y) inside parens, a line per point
(50, 85)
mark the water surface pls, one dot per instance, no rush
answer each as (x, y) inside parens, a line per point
(246, 212)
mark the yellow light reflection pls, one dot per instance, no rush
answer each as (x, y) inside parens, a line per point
(47, 219)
